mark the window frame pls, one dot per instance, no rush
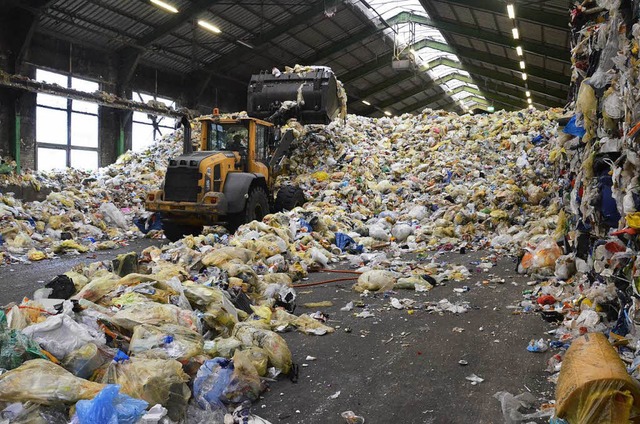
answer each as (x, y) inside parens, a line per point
(156, 132)
(68, 146)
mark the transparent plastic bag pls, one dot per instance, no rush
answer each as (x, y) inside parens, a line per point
(168, 341)
(375, 280)
(60, 335)
(274, 345)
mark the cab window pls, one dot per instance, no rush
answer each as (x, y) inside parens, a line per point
(261, 143)
(227, 137)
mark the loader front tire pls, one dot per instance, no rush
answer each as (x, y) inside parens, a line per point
(257, 207)
(289, 197)
(175, 232)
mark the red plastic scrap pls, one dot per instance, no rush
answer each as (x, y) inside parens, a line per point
(546, 299)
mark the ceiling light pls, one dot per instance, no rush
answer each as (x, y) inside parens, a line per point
(206, 25)
(165, 6)
(524, 76)
(516, 34)
(519, 50)
(244, 43)
(386, 112)
(527, 93)
(366, 103)
(511, 11)
(529, 100)
(531, 107)
(491, 109)
(522, 64)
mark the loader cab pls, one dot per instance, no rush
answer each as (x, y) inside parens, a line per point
(250, 138)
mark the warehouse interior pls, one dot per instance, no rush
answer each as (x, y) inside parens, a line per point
(189, 190)
(137, 49)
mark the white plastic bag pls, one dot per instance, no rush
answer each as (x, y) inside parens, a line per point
(113, 215)
(61, 335)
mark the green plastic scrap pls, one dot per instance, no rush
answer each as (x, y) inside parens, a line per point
(15, 347)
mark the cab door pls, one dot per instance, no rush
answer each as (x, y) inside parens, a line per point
(258, 148)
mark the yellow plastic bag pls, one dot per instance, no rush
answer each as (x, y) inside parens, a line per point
(274, 345)
(375, 280)
(633, 220)
(219, 313)
(44, 382)
(154, 314)
(258, 358)
(223, 255)
(154, 380)
(594, 386)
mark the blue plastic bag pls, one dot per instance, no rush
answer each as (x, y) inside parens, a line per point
(347, 244)
(121, 357)
(211, 381)
(110, 407)
(305, 224)
(538, 139)
(572, 129)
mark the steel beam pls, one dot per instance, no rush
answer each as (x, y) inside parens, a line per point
(412, 92)
(18, 24)
(480, 34)
(524, 12)
(485, 57)
(129, 57)
(316, 9)
(555, 93)
(341, 44)
(559, 95)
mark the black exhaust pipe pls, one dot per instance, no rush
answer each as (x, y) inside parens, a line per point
(187, 146)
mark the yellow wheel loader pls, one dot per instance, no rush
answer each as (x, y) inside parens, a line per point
(229, 179)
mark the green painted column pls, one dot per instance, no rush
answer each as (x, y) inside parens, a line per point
(120, 146)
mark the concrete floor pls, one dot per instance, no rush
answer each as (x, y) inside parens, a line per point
(397, 367)
(20, 280)
(394, 366)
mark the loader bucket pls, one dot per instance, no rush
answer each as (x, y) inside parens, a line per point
(311, 96)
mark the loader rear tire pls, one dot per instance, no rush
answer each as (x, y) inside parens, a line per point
(289, 197)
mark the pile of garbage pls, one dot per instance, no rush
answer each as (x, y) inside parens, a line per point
(186, 330)
(84, 211)
(433, 181)
(589, 266)
(189, 330)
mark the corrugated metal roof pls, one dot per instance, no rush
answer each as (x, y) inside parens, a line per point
(284, 33)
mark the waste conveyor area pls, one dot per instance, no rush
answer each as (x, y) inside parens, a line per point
(417, 230)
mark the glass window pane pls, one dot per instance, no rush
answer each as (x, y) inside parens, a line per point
(49, 159)
(142, 136)
(84, 130)
(140, 117)
(50, 100)
(80, 106)
(141, 97)
(51, 126)
(82, 159)
(51, 77)
(84, 85)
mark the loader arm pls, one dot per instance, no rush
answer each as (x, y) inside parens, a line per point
(282, 151)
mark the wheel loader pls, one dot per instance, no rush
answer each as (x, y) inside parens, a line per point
(229, 178)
